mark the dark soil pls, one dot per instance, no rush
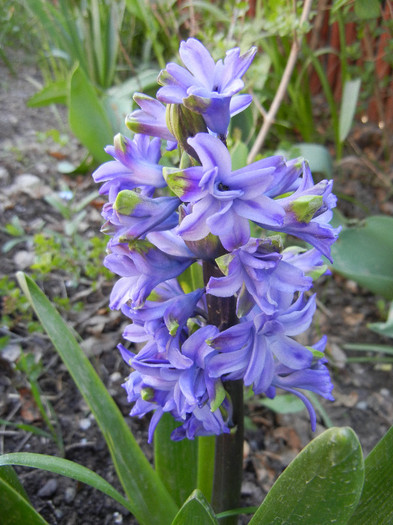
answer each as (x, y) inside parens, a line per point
(28, 172)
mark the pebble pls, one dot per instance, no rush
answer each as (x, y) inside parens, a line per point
(69, 494)
(48, 489)
(117, 518)
(11, 352)
(85, 423)
(362, 405)
(116, 376)
(23, 259)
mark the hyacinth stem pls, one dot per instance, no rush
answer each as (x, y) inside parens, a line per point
(206, 451)
(228, 464)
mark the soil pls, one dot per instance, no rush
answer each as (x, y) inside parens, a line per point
(29, 163)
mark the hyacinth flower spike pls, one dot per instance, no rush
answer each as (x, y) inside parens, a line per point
(207, 87)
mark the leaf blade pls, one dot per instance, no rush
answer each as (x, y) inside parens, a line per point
(135, 473)
(376, 502)
(15, 507)
(310, 489)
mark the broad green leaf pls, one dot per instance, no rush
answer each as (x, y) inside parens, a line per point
(384, 328)
(135, 473)
(366, 9)
(318, 157)
(364, 254)
(283, 404)
(87, 118)
(196, 511)
(322, 484)
(53, 93)
(175, 461)
(14, 505)
(65, 468)
(376, 502)
(348, 107)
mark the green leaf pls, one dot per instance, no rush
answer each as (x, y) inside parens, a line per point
(376, 502)
(348, 107)
(364, 254)
(14, 504)
(283, 404)
(135, 473)
(318, 158)
(366, 9)
(8, 475)
(53, 93)
(65, 468)
(175, 461)
(196, 511)
(239, 155)
(384, 328)
(322, 484)
(87, 118)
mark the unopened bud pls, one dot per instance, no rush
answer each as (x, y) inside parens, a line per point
(183, 124)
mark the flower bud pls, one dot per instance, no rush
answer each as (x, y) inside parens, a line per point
(183, 124)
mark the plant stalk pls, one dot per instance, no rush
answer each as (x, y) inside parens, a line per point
(282, 88)
(228, 464)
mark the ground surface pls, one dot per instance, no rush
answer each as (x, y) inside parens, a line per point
(28, 173)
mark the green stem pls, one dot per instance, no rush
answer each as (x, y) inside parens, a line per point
(206, 449)
(228, 463)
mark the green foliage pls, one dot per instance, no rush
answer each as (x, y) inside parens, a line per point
(15, 308)
(364, 254)
(79, 32)
(195, 511)
(376, 502)
(138, 478)
(14, 503)
(310, 490)
(175, 461)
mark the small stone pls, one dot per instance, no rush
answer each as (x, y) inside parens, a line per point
(48, 489)
(11, 352)
(23, 259)
(69, 494)
(117, 518)
(115, 377)
(27, 180)
(59, 514)
(362, 405)
(84, 424)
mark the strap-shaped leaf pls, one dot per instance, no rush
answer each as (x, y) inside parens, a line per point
(175, 461)
(196, 511)
(321, 485)
(139, 480)
(87, 118)
(14, 505)
(376, 502)
(65, 468)
(9, 476)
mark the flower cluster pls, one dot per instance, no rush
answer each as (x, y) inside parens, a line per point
(166, 224)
